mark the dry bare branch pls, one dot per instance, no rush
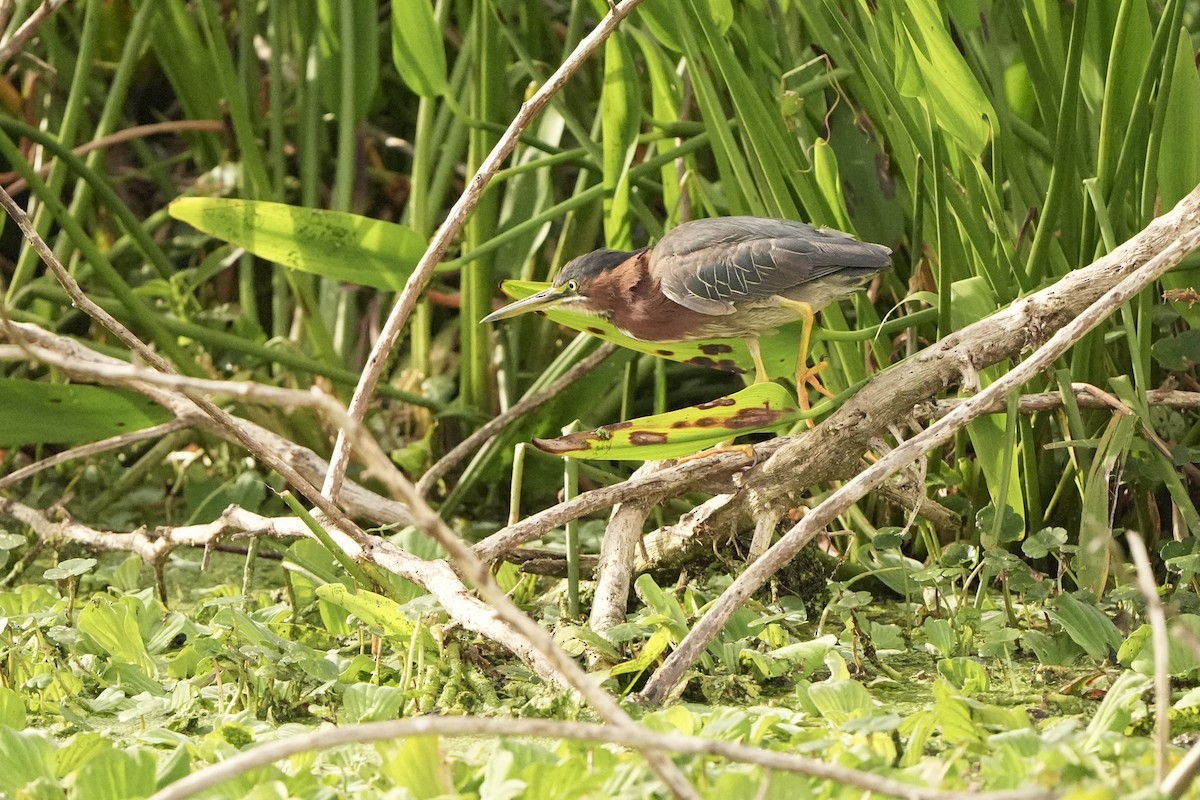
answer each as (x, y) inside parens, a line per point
(14, 44)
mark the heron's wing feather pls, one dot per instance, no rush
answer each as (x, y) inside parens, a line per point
(709, 265)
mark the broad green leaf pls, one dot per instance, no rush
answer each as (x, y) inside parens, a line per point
(71, 568)
(1131, 648)
(965, 674)
(418, 765)
(366, 702)
(806, 657)
(1087, 626)
(12, 709)
(1052, 649)
(62, 413)
(758, 407)
(1181, 656)
(931, 69)
(371, 608)
(841, 700)
(940, 637)
(1116, 710)
(332, 244)
(664, 604)
(918, 728)
(654, 647)
(82, 748)
(120, 775)
(1178, 353)
(27, 757)
(954, 715)
(417, 48)
(115, 628)
(895, 570)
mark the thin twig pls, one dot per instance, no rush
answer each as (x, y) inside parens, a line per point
(651, 488)
(1187, 238)
(128, 134)
(525, 405)
(1052, 401)
(639, 738)
(94, 448)
(23, 34)
(455, 219)
(78, 298)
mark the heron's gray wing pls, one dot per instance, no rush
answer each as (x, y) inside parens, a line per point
(709, 265)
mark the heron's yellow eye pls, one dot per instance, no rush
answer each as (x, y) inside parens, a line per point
(572, 286)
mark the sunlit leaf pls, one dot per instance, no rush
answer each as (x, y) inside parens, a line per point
(119, 774)
(27, 757)
(71, 568)
(417, 49)
(115, 628)
(840, 700)
(332, 244)
(759, 407)
(931, 68)
(36, 412)
(418, 765)
(1087, 626)
(366, 702)
(1116, 710)
(1182, 658)
(370, 608)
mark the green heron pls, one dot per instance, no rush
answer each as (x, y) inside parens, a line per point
(728, 277)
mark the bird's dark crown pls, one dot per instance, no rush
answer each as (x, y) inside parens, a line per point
(587, 267)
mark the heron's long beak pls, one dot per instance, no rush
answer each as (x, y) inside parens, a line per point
(546, 298)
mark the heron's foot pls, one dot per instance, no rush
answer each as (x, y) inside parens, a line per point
(745, 449)
(807, 376)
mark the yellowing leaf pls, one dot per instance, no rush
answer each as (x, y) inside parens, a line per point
(759, 407)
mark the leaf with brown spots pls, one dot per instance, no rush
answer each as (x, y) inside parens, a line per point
(759, 407)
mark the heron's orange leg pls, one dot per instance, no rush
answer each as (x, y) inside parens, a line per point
(805, 376)
(760, 371)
